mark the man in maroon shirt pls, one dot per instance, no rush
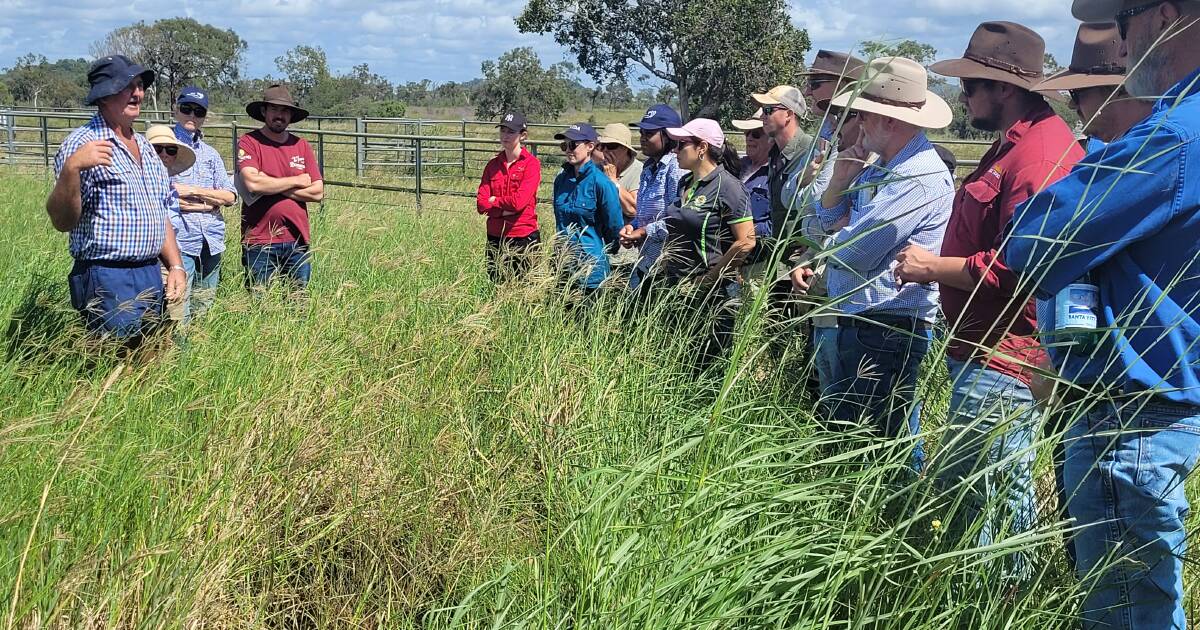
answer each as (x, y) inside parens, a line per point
(992, 347)
(277, 174)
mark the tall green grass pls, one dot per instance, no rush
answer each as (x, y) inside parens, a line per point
(407, 446)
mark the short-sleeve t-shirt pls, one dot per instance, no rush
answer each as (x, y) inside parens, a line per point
(631, 177)
(698, 223)
(276, 218)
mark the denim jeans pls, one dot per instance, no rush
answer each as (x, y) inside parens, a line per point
(1125, 472)
(874, 374)
(825, 356)
(990, 434)
(204, 273)
(118, 299)
(262, 262)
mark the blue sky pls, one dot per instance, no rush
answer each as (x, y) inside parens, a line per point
(407, 40)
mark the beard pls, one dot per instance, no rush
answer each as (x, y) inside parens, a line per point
(277, 125)
(989, 121)
(1147, 76)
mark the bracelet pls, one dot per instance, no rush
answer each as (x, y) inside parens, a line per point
(179, 267)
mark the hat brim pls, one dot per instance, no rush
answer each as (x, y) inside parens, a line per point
(765, 99)
(934, 114)
(185, 158)
(573, 138)
(603, 139)
(1070, 80)
(509, 127)
(1096, 10)
(254, 110)
(747, 125)
(970, 69)
(115, 85)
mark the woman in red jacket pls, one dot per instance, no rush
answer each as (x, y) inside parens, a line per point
(508, 196)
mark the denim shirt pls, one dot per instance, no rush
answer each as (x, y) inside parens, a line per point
(1129, 214)
(587, 213)
(194, 229)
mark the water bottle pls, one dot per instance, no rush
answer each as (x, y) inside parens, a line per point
(1077, 313)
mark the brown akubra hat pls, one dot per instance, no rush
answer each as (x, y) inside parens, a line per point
(835, 64)
(1000, 51)
(1095, 62)
(276, 95)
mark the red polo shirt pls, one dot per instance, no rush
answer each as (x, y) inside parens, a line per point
(276, 218)
(514, 213)
(1038, 150)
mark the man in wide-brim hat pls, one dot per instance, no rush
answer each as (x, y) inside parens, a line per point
(1095, 81)
(829, 74)
(993, 345)
(276, 95)
(907, 189)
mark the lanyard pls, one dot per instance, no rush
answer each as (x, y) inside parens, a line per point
(691, 192)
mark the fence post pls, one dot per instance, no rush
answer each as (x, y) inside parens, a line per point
(418, 167)
(464, 146)
(321, 150)
(360, 148)
(45, 143)
(233, 137)
(10, 122)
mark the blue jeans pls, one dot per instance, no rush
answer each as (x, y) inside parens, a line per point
(120, 299)
(262, 262)
(989, 436)
(204, 273)
(874, 374)
(1125, 471)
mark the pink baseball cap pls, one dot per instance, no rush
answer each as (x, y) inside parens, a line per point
(704, 129)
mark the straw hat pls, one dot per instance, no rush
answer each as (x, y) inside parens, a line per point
(897, 88)
(184, 159)
(1096, 60)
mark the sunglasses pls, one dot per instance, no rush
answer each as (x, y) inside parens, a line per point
(770, 109)
(971, 86)
(188, 109)
(611, 146)
(1123, 17)
(570, 145)
(755, 134)
(169, 149)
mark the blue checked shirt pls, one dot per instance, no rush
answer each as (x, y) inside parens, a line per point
(906, 201)
(193, 229)
(659, 188)
(124, 206)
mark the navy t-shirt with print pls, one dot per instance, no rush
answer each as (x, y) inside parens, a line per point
(698, 223)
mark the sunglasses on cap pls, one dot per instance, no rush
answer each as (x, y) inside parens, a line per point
(169, 149)
(190, 109)
(1123, 17)
(755, 134)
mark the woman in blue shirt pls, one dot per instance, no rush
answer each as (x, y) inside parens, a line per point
(587, 210)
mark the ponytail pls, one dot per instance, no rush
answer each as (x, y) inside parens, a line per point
(727, 157)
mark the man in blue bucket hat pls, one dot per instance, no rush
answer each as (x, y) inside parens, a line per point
(113, 196)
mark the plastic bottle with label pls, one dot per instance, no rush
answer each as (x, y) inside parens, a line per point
(1076, 313)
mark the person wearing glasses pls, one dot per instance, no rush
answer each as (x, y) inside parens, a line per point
(993, 346)
(1128, 217)
(616, 155)
(587, 210)
(204, 189)
(114, 198)
(755, 171)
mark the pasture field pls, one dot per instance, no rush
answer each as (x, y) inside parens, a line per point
(407, 446)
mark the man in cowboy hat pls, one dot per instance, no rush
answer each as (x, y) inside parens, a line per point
(204, 190)
(114, 197)
(993, 348)
(1129, 217)
(830, 73)
(883, 329)
(281, 175)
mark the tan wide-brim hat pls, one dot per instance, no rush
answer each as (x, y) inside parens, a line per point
(1000, 51)
(184, 159)
(617, 133)
(751, 123)
(1095, 62)
(897, 88)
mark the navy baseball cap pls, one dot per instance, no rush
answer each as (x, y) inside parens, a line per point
(109, 75)
(579, 132)
(194, 95)
(660, 116)
(514, 121)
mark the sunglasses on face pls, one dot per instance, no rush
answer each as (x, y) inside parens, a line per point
(755, 134)
(169, 149)
(188, 109)
(569, 146)
(611, 146)
(1125, 16)
(971, 86)
(770, 109)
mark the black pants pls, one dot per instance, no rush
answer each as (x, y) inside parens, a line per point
(509, 257)
(708, 317)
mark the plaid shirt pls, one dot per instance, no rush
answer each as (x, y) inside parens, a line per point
(193, 229)
(659, 188)
(124, 206)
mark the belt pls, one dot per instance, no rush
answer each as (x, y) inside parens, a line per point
(1086, 396)
(119, 264)
(910, 324)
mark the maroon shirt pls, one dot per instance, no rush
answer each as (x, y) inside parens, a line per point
(276, 218)
(514, 212)
(1038, 150)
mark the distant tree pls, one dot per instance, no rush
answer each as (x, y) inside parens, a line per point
(919, 52)
(389, 109)
(1051, 64)
(667, 94)
(518, 81)
(645, 97)
(303, 67)
(618, 94)
(34, 80)
(6, 98)
(715, 53)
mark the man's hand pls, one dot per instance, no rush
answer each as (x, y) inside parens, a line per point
(915, 264)
(630, 237)
(611, 171)
(90, 155)
(802, 279)
(849, 164)
(176, 284)
(303, 180)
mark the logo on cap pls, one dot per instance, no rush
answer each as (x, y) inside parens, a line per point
(574, 127)
(650, 114)
(508, 118)
(194, 95)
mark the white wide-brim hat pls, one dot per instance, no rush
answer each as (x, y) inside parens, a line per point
(897, 88)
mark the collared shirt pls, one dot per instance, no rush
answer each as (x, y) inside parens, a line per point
(659, 187)
(631, 177)
(759, 192)
(514, 212)
(587, 213)
(1130, 215)
(124, 206)
(699, 223)
(193, 229)
(1036, 151)
(906, 201)
(786, 169)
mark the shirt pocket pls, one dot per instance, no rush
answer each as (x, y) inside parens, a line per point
(985, 196)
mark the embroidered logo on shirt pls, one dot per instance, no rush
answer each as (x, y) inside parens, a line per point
(297, 162)
(698, 200)
(995, 173)
(242, 155)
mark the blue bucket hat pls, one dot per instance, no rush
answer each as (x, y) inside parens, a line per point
(110, 75)
(660, 116)
(579, 132)
(194, 95)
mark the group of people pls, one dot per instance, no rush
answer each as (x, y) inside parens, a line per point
(144, 212)
(865, 223)
(861, 224)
